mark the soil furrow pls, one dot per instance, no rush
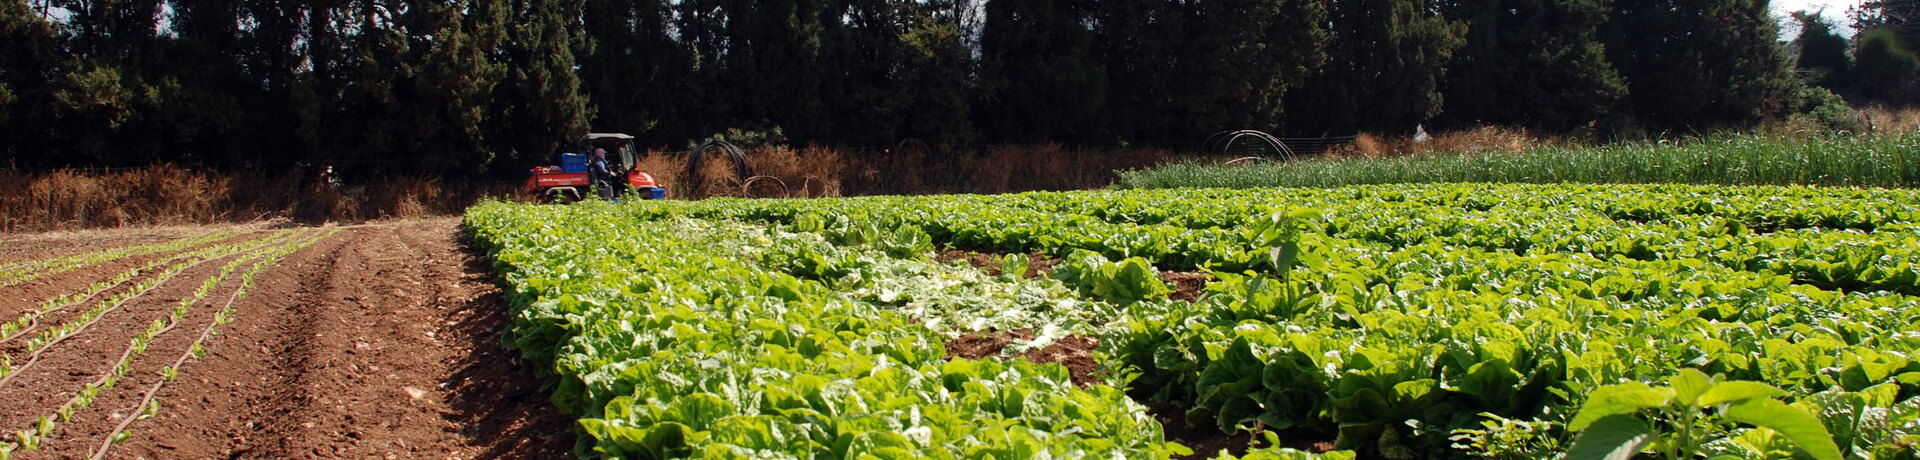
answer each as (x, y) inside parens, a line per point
(27, 296)
(65, 368)
(382, 342)
(61, 314)
(84, 433)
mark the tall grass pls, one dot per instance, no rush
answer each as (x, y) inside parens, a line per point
(1830, 160)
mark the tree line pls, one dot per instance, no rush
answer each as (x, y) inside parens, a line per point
(474, 87)
(1875, 66)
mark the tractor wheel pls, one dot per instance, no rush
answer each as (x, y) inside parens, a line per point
(562, 195)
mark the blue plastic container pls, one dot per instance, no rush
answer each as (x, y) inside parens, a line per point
(656, 193)
(573, 162)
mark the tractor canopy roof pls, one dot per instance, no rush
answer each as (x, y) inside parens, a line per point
(614, 140)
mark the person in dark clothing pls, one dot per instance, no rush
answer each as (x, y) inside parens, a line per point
(599, 175)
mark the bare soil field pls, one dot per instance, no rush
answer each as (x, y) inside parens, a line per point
(369, 341)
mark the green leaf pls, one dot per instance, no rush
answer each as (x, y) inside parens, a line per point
(1619, 399)
(1613, 437)
(1689, 385)
(1725, 392)
(1014, 265)
(1797, 425)
(1493, 381)
(1130, 281)
(699, 410)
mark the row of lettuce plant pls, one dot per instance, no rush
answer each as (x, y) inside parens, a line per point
(1758, 207)
(1409, 348)
(1887, 258)
(667, 340)
(1397, 351)
(1835, 238)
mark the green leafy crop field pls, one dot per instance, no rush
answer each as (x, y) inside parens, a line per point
(1402, 321)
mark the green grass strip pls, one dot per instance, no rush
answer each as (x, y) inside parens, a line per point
(1855, 161)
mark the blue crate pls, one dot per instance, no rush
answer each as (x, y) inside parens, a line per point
(656, 193)
(573, 162)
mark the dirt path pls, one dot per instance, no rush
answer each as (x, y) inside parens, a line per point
(382, 341)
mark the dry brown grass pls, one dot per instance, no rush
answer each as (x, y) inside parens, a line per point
(1477, 140)
(911, 168)
(806, 173)
(1890, 121)
(171, 195)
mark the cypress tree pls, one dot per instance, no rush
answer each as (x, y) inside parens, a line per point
(1185, 70)
(636, 72)
(771, 58)
(1699, 65)
(1900, 16)
(220, 113)
(1886, 69)
(538, 104)
(454, 80)
(29, 63)
(1387, 59)
(1537, 64)
(898, 70)
(113, 94)
(1820, 54)
(1040, 79)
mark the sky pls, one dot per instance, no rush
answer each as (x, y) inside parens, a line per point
(1836, 10)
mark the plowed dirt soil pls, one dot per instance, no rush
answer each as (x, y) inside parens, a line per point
(380, 341)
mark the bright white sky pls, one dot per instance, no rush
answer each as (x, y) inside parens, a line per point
(1836, 10)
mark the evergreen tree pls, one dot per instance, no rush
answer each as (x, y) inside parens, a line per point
(540, 104)
(1886, 69)
(636, 73)
(709, 101)
(1900, 16)
(355, 114)
(1699, 65)
(772, 60)
(1185, 70)
(896, 70)
(937, 70)
(221, 114)
(280, 55)
(1821, 55)
(1040, 79)
(111, 96)
(1537, 64)
(456, 78)
(1387, 59)
(29, 63)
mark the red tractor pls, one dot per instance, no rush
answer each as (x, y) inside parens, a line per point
(569, 181)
